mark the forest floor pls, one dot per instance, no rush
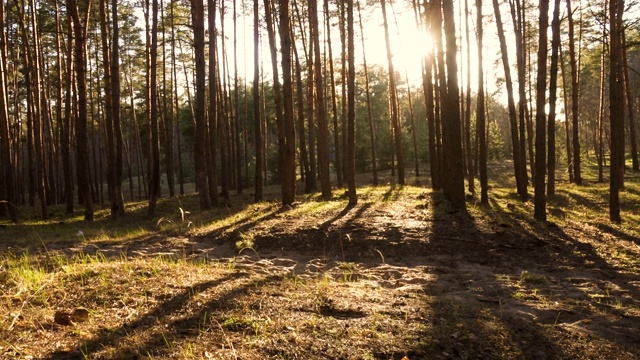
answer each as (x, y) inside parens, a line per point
(399, 276)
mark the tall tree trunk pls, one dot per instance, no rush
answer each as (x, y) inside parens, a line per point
(226, 172)
(632, 121)
(616, 106)
(553, 84)
(34, 122)
(108, 107)
(82, 144)
(154, 145)
(323, 127)
(65, 136)
(480, 114)
(6, 173)
(304, 156)
(372, 131)
(600, 141)
(350, 153)
(236, 92)
(213, 112)
(334, 99)
(428, 87)
(451, 129)
(540, 211)
(575, 86)
(200, 143)
(515, 140)
(567, 123)
(393, 100)
(175, 112)
(517, 14)
(467, 119)
(167, 123)
(117, 128)
(256, 105)
(287, 135)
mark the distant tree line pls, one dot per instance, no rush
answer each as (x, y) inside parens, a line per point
(103, 101)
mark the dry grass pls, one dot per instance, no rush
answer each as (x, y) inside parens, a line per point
(400, 275)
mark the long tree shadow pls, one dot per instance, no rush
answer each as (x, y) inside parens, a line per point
(163, 325)
(513, 288)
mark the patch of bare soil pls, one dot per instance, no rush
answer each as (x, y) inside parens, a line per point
(405, 278)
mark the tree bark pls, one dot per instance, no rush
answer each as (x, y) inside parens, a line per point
(258, 187)
(323, 127)
(334, 98)
(553, 84)
(393, 100)
(567, 123)
(287, 139)
(480, 114)
(451, 130)
(467, 119)
(372, 131)
(154, 145)
(540, 211)
(200, 143)
(213, 112)
(616, 108)
(82, 144)
(351, 111)
(575, 86)
(515, 140)
(632, 121)
(8, 194)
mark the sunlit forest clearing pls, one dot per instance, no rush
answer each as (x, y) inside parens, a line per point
(401, 274)
(304, 179)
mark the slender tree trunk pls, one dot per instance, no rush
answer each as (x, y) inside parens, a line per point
(334, 98)
(166, 126)
(323, 127)
(480, 114)
(256, 105)
(154, 153)
(540, 211)
(82, 144)
(175, 112)
(117, 127)
(213, 112)
(467, 119)
(65, 136)
(351, 112)
(616, 106)
(372, 131)
(344, 103)
(600, 142)
(517, 14)
(393, 100)
(304, 156)
(236, 92)
(632, 121)
(108, 107)
(567, 123)
(427, 86)
(515, 141)
(553, 84)
(575, 86)
(7, 172)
